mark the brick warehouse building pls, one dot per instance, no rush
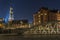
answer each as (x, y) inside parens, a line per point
(45, 15)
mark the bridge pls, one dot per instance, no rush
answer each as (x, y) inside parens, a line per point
(38, 29)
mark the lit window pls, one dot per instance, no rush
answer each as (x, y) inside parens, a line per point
(45, 14)
(39, 16)
(39, 21)
(34, 23)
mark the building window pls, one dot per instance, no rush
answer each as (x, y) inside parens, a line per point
(34, 23)
(45, 14)
(38, 15)
(39, 21)
(41, 14)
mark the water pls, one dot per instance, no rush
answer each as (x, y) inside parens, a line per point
(30, 37)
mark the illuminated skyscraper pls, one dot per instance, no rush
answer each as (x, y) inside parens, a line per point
(11, 12)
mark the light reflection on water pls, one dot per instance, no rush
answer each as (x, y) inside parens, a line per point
(30, 37)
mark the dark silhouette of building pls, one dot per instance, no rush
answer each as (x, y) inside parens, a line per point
(20, 23)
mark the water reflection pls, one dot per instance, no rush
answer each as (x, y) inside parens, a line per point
(30, 37)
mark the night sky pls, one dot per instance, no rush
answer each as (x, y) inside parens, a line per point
(24, 9)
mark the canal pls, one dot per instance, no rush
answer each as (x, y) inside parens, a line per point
(29, 37)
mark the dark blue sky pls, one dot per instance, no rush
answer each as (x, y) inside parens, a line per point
(26, 8)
